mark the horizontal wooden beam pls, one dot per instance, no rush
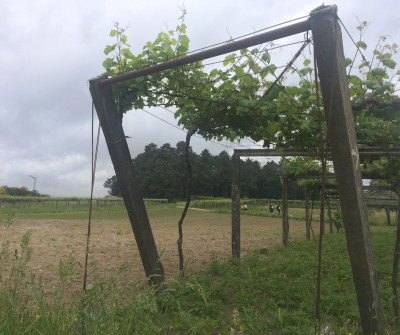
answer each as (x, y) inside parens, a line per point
(296, 153)
(311, 176)
(383, 202)
(364, 174)
(378, 188)
(268, 36)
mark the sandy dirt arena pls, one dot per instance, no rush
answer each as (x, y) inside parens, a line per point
(207, 236)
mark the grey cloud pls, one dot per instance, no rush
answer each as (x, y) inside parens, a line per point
(51, 49)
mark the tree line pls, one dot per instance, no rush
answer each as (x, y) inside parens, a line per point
(20, 191)
(161, 173)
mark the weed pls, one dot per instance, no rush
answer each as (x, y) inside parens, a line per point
(10, 219)
(68, 269)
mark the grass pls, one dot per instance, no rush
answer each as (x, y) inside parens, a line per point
(377, 216)
(261, 210)
(271, 291)
(267, 292)
(74, 212)
(117, 212)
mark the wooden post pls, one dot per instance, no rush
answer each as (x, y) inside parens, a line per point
(396, 259)
(328, 204)
(235, 207)
(308, 216)
(285, 211)
(387, 210)
(342, 138)
(111, 124)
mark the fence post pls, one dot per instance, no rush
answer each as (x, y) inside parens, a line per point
(328, 204)
(308, 216)
(285, 211)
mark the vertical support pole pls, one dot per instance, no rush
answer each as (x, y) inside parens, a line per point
(328, 204)
(396, 259)
(235, 207)
(111, 124)
(387, 210)
(308, 216)
(285, 211)
(342, 138)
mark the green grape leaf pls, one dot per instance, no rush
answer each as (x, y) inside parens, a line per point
(109, 48)
(362, 45)
(390, 63)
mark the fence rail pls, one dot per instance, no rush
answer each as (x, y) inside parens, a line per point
(22, 202)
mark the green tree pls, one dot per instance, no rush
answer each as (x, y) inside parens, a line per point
(19, 191)
(113, 186)
(203, 174)
(249, 172)
(268, 182)
(223, 173)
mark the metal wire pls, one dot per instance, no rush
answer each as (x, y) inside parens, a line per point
(358, 49)
(242, 36)
(94, 161)
(185, 131)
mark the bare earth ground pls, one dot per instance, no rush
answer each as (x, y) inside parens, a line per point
(207, 235)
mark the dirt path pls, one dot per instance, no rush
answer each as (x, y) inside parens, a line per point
(196, 209)
(206, 235)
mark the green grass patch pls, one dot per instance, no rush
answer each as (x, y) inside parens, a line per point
(113, 211)
(263, 210)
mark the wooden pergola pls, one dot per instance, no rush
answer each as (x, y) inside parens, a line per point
(327, 39)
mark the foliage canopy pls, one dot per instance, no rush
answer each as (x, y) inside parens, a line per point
(242, 96)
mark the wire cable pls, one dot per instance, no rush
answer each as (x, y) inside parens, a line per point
(94, 162)
(197, 136)
(362, 55)
(242, 36)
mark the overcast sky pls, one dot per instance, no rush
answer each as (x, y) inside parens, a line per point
(50, 49)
